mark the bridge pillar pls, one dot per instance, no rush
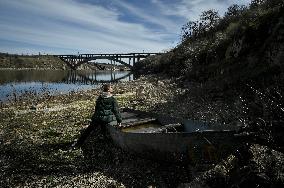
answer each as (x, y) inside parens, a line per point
(133, 59)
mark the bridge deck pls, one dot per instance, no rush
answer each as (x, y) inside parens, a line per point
(76, 60)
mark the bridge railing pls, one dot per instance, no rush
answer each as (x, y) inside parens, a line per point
(119, 55)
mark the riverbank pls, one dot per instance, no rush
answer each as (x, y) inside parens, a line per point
(35, 138)
(37, 132)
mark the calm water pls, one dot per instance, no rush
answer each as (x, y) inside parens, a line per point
(54, 81)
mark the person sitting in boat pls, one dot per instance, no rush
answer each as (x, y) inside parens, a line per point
(105, 110)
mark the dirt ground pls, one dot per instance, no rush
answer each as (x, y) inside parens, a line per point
(36, 133)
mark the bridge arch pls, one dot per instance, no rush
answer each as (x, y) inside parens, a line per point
(113, 59)
(75, 61)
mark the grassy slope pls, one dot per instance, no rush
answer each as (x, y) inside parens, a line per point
(34, 146)
(37, 62)
(235, 51)
(240, 59)
(235, 73)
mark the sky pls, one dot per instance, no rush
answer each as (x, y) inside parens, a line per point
(98, 26)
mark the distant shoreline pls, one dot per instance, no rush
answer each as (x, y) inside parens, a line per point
(58, 69)
(30, 69)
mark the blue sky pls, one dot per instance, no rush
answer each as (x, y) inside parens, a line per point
(97, 26)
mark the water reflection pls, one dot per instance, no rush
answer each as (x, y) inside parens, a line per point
(97, 77)
(55, 81)
(61, 76)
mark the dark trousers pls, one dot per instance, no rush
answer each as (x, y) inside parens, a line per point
(97, 126)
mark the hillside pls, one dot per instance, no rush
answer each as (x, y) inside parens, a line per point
(247, 41)
(231, 69)
(237, 56)
(33, 62)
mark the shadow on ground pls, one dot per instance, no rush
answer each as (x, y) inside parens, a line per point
(22, 164)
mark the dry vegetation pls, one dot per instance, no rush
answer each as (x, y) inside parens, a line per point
(35, 142)
(36, 137)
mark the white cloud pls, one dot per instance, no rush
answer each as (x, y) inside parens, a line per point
(167, 24)
(69, 24)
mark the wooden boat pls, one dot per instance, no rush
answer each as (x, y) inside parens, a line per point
(171, 139)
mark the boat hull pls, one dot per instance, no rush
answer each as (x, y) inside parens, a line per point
(194, 147)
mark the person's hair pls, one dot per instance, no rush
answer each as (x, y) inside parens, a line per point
(106, 87)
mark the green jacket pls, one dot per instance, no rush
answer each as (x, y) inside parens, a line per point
(106, 109)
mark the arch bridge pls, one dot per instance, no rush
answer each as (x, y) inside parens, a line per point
(74, 61)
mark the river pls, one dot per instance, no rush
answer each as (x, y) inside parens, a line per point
(18, 82)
